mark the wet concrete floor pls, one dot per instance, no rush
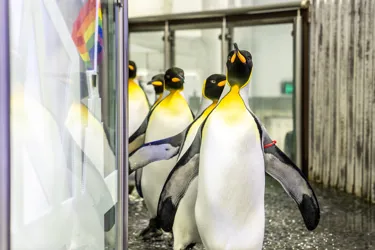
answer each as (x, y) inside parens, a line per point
(346, 222)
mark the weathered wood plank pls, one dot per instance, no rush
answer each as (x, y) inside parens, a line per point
(372, 163)
(313, 81)
(344, 38)
(367, 112)
(350, 110)
(359, 102)
(325, 126)
(318, 165)
(333, 55)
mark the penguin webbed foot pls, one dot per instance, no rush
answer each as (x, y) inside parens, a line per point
(151, 231)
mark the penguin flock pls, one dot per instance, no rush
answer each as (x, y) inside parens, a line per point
(202, 178)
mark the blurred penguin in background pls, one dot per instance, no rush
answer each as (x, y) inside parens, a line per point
(157, 82)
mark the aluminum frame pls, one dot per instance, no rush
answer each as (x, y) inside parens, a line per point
(5, 127)
(122, 125)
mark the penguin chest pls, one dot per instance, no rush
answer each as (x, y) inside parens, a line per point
(138, 107)
(231, 180)
(169, 118)
(231, 148)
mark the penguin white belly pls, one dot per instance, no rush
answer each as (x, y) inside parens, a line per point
(161, 125)
(185, 230)
(230, 201)
(138, 110)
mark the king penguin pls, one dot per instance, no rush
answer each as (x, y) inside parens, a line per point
(166, 148)
(179, 187)
(181, 221)
(168, 118)
(138, 104)
(230, 212)
(157, 82)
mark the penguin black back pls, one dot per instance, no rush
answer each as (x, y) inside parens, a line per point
(214, 85)
(132, 70)
(239, 67)
(174, 79)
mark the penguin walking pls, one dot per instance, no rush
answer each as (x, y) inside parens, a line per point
(181, 221)
(278, 166)
(230, 213)
(166, 148)
(168, 118)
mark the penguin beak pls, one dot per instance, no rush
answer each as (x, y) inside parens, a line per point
(131, 67)
(178, 79)
(150, 82)
(157, 83)
(222, 83)
(238, 53)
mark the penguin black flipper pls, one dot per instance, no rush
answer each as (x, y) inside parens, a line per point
(280, 167)
(174, 142)
(163, 149)
(140, 131)
(177, 183)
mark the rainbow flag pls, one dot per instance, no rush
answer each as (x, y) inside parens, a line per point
(88, 34)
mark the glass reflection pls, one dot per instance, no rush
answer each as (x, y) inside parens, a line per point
(64, 176)
(271, 89)
(198, 53)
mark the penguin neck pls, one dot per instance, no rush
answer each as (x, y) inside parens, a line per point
(132, 83)
(205, 103)
(244, 93)
(233, 99)
(158, 98)
(173, 94)
(208, 110)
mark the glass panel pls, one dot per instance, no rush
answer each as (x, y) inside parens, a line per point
(147, 51)
(64, 176)
(271, 91)
(198, 53)
(160, 7)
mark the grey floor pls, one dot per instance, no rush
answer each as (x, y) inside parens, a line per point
(346, 223)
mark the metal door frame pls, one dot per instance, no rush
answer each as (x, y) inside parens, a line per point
(4, 127)
(296, 13)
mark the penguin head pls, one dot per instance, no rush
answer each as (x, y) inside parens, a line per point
(239, 67)
(132, 70)
(213, 86)
(174, 79)
(158, 82)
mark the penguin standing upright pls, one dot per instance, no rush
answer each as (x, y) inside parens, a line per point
(138, 104)
(178, 191)
(168, 118)
(182, 219)
(230, 212)
(138, 110)
(158, 82)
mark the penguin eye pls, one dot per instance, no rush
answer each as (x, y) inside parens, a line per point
(167, 76)
(213, 81)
